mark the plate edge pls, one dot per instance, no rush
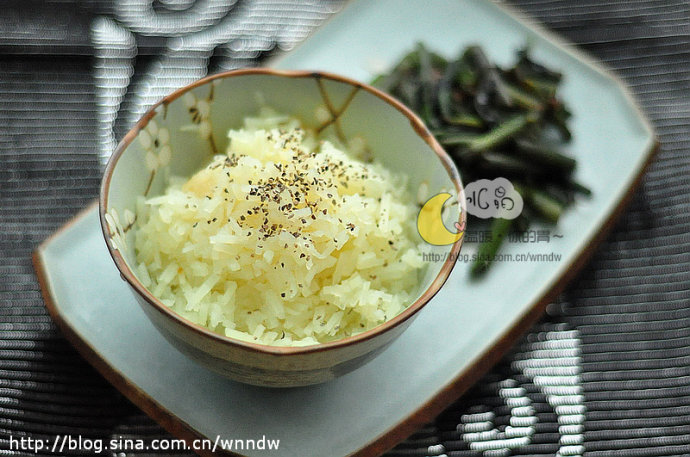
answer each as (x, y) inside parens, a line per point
(274, 60)
(484, 362)
(526, 21)
(583, 56)
(131, 391)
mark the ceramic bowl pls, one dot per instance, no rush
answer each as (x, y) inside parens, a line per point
(178, 135)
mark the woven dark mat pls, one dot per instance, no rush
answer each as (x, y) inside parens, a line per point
(606, 373)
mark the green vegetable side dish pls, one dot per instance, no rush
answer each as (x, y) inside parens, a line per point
(494, 122)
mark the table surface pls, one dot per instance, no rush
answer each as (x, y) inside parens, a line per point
(70, 86)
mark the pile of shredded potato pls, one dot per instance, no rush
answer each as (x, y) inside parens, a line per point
(286, 240)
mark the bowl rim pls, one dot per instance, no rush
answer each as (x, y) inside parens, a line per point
(416, 123)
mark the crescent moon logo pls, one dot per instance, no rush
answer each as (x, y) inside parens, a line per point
(430, 223)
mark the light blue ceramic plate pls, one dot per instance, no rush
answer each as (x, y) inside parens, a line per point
(456, 337)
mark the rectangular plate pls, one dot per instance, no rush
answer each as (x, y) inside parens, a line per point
(455, 339)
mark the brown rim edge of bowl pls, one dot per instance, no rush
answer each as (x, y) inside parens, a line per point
(418, 126)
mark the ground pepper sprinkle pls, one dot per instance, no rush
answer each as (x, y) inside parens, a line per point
(303, 242)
